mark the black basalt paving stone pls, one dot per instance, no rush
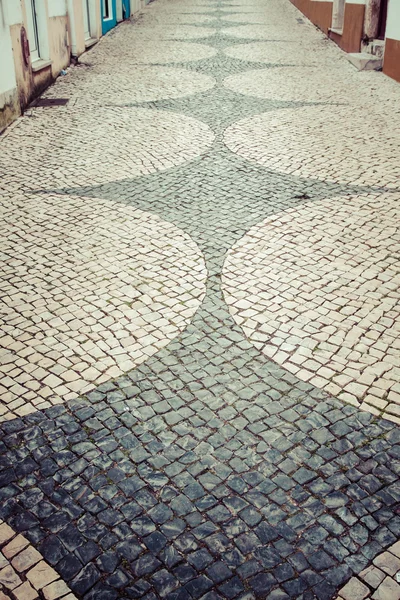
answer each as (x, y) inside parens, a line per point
(208, 471)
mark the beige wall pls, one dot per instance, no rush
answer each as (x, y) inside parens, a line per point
(61, 33)
(59, 43)
(75, 16)
(9, 105)
(54, 53)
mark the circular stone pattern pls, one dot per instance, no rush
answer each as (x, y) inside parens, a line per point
(145, 84)
(251, 17)
(183, 8)
(328, 143)
(292, 84)
(168, 32)
(282, 53)
(262, 32)
(317, 289)
(90, 289)
(104, 145)
(142, 51)
(172, 19)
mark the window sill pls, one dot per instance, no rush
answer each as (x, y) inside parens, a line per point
(40, 64)
(337, 31)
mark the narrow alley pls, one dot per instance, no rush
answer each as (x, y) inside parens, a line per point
(200, 317)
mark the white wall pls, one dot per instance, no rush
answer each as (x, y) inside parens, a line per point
(14, 11)
(57, 8)
(393, 20)
(8, 82)
(135, 6)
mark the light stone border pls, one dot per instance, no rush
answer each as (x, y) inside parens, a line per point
(24, 574)
(376, 581)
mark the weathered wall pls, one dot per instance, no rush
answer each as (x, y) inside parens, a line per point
(57, 8)
(59, 47)
(23, 72)
(319, 12)
(9, 105)
(75, 16)
(30, 79)
(135, 6)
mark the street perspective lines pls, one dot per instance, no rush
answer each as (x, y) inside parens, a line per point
(199, 285)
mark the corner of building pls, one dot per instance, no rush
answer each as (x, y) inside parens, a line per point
(369, 30)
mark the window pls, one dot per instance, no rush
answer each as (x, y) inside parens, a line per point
(107, 9)
(32, 26)
(338, 15)
(86, 19)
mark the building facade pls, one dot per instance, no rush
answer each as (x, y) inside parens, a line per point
(38, 39)
(368, 29)
(115, 11)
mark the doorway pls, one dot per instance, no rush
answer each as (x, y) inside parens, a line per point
(86, 19)
(109, 15)
(382, 19)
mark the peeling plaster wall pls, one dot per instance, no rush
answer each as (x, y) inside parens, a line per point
(9, 105)
(59, 44)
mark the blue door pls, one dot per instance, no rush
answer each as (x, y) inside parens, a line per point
(108, 14)
(126, 8)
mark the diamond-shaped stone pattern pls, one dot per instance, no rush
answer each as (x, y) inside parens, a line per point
(164, 487)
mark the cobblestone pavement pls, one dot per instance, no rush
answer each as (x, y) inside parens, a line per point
(200, 393)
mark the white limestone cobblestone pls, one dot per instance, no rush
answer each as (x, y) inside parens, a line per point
(301, 142)
(316, 289)
(89, 289)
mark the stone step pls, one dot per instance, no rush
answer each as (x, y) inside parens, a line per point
(363, 61)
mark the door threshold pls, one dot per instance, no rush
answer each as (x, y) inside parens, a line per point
(90, 42)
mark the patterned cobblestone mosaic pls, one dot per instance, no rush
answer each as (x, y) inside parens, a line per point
(299, 141)
(307, 85)
(147, 83)
(24, 574)
(316, 289)
(206, 471)
(282, 51)
(120, 285)
(379, 581)
(148, 141)
(168, 32)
